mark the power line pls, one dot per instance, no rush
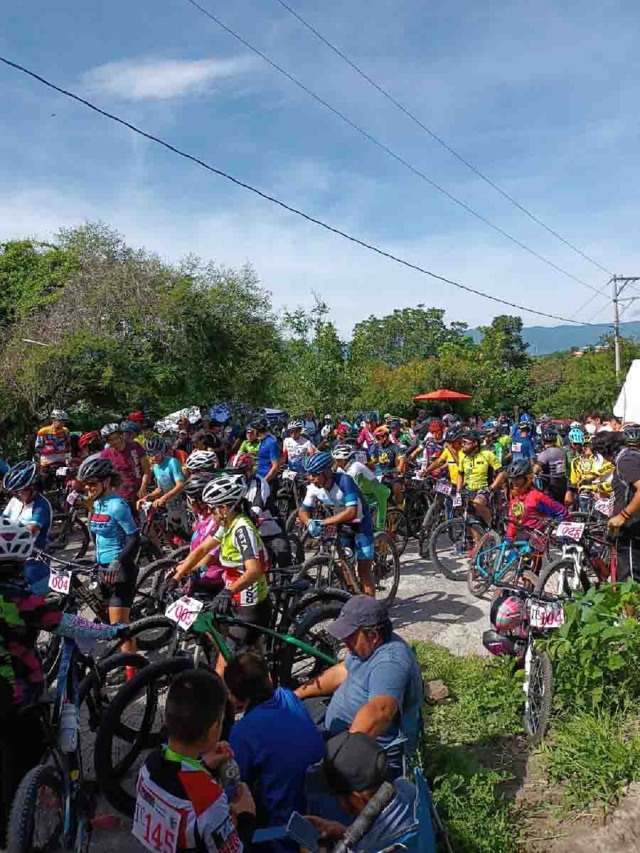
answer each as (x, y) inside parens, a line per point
(435, 136)
(276, 201)
(382, 146)
(590, 300)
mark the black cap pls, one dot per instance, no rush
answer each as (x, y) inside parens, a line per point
(354, 762)
(361, 611)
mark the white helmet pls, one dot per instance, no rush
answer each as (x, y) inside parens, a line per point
(342, 451)
(202, 460)
(325, 431)
(16, 541)
(59, 415)
(295, 425)
(225, 490)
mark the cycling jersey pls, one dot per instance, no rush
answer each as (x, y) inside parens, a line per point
(264, 510)
(501, 447)
(128, 465)
(451, 459)
(242, 542)
(268, 453)
(372, 489)
(531, 510)
(430, 449)
(385, 458)
(250, 447)
(53, 446)
(475, 468)
(189, 794)
(168, 473)
(342, 493)
(295, 451)
(111, 522)
(591, 473)
(554, 463)
(40, 514)
(522, 448)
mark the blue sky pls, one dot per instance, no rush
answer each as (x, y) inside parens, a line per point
(541, 97)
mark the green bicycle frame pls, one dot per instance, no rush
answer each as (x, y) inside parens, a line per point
(204, 624)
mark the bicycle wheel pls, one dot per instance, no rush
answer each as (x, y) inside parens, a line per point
(482, 568)
(386, 568)
(36, 822)
(150, 601)
(539, 695)
(398, 529)
(322, 571)
(451, 546)
(139, 705)
(297, 666)
(66, 528)
(560, 579)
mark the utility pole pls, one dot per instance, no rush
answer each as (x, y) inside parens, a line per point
(618, 284)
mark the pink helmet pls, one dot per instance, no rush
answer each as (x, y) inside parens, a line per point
(508, 614)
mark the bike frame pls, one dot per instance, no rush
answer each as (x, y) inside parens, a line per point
(521, 549)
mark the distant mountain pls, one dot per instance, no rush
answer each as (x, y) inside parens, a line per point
(546, 339)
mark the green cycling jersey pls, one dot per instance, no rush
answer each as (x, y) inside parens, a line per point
(374, 491)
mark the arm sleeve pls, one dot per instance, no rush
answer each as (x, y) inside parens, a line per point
(130, 547)
(547, 506)
(246, 542)
(41, 516)
(78, 628)
(309, 501)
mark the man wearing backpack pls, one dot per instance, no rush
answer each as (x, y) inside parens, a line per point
(626, 508)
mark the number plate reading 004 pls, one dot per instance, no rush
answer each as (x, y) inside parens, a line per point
(546, 614)
(184, 611)
(60, 581)
(570, 530)
(444, 488)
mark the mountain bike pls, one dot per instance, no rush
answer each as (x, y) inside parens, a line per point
(588, 557)
(292, 657)
(53, 805)
(335, 565)
(67, 523)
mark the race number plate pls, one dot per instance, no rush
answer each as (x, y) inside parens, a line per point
(60, 581)
(156, 824)
(548, 614)
(61, 472)
(288, 475)
(444, 488)
(72, 497)
(184, 611)
(604, 506)
(457, 500)
(570, 530)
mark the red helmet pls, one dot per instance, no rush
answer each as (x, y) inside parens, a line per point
(436, 424)
(88, 438)
(242, 460)
(342, 429)
(136, 417)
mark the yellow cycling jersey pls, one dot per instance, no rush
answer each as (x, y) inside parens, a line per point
(591, 473)
(475, 468)
(451, 459)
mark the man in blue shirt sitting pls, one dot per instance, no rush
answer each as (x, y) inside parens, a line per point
(274, 743)
(377, 689)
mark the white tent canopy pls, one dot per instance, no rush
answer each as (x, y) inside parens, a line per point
(628, 405)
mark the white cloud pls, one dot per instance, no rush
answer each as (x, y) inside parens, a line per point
(158, 79)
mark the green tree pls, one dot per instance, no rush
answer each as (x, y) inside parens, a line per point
(502, 343)
(32, 275)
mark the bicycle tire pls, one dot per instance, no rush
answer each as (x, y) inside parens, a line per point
(68, 525)
(540, 687)
(322, 572)
(543, 586)
(477, 582)
(290, 655)
(152, 604)
(110, 774)
(24, 809)
(398, 529)
(385, 568)
(454, 530)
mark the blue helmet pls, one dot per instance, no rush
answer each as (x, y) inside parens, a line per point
(317, 463)
(576, 436)
(21, 476)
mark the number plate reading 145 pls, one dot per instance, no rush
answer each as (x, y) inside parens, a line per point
(571, 530)
(60, 581)
(546, 615)
(156, 824)
(184, 611)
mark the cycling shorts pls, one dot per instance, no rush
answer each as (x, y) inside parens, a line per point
(483, 494)
(240, 636)
(358, 537)
(122, 592)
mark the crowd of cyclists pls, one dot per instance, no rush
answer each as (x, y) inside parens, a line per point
(221, 487)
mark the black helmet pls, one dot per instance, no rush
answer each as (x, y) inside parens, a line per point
(452, 434)
(260, 424)
(196, 483)
(472, 435)
(519, 468)
(130, 426)
(632, 433)
(96, 468)
(155, 446)
(549, 434)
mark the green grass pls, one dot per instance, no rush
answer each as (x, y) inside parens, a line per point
(484, 707)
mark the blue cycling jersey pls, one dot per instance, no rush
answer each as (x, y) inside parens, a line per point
(111, 522)
(342, 493)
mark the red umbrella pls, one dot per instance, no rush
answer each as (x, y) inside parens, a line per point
(443, 394)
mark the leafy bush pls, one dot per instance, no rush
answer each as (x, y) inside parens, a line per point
(596, 653)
